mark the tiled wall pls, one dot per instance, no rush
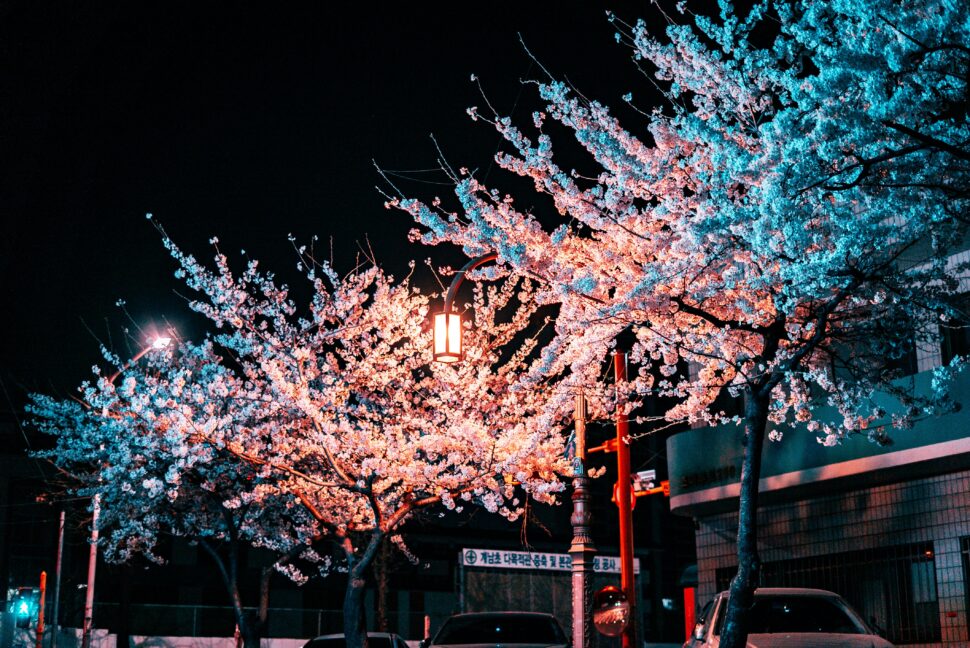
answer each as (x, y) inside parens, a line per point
(933, 509)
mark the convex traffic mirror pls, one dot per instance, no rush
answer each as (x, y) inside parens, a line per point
(611, 611)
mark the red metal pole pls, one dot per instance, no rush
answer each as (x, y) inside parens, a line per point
(624, 500)
(690, 614)
(40, 609)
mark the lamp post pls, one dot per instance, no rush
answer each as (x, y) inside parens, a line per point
(447, 323)
(157, 343)
(447, 348)
(582, 550)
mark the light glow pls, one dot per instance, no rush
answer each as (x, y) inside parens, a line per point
(447, 337)
(161, 342)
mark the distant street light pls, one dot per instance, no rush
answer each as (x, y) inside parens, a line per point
(447, 324)
(161, 341)
(156, 343)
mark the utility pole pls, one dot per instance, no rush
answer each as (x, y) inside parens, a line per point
(582, 549)
(55, 627)
(92, 566)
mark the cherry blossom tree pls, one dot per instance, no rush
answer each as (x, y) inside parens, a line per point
(287, 430)
(387, 432)
(169, 451)
(781, 228)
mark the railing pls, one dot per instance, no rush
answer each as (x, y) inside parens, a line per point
(893, 586)
(219, 621)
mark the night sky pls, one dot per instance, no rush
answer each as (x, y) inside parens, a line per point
(244, 121)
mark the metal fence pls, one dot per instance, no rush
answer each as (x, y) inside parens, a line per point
(219, 621)
(893, 586)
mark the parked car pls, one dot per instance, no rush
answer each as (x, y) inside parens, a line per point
(374, 640)
(482, 629)
(792, 617)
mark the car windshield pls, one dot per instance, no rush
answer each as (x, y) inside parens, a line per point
(800, 614)
(505, 629)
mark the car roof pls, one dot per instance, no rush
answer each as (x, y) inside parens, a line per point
(468, 615)
(789, 591)
(340, 635)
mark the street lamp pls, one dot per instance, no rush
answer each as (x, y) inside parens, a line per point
(447, 347)
(582, 550)
(156, 343)
(447, 324)
(447, 336)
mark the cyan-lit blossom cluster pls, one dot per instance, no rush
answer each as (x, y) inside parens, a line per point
(161, 445)
(779, 228)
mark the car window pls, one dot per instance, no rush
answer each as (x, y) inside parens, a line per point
(720, 609)
(500, 629)
(330, 642)
(340, 642)
(771, 614)
(703, 616)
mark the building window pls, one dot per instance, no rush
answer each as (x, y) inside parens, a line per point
(893, 588)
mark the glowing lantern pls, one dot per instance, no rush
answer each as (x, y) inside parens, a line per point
(447, 336)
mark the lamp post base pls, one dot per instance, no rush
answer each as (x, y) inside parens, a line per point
(582, 551)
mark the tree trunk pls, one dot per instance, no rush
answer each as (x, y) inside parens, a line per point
(381, 568)
(248, 623)
(124, 609)
(355, 631)
(735, 631)
(248, 628)
(263, 612)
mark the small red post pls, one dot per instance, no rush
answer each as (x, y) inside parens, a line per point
(690, 612)
(40, 609)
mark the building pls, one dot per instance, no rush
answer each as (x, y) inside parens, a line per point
(886, 526)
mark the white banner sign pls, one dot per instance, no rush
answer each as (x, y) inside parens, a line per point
(500, 559)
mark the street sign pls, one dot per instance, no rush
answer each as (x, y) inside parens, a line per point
(644, 480)
(542, 561)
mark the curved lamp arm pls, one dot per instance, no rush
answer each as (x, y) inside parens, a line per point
(460, 277)
(446, 345)
(157, 343)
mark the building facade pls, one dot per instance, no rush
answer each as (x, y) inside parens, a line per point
(886, 526)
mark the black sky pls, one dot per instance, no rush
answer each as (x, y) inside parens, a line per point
(242, 120)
